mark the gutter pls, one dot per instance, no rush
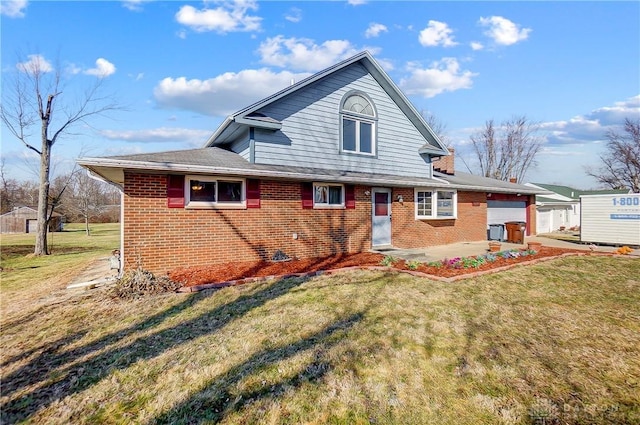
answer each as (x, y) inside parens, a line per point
(290, 175)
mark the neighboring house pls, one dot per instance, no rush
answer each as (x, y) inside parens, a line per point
(561, 207)
(339, 162)
(25, 220)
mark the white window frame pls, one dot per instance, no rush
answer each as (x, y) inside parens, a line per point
(434, 204)
(326, 205)
(358, 120)
(188, 203)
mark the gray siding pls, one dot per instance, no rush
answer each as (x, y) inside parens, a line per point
(311, 130)
(241, 146)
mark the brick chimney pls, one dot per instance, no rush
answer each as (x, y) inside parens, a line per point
(445, 164)
(513, 180)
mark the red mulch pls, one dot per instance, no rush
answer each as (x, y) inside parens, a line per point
(216, 273)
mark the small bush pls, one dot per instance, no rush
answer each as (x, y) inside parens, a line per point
(137, 283)
(413, 265)
(388, 261)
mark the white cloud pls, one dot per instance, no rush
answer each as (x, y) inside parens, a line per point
(137, 77)
(134, 5)
(36, 63)
(103, 68)
(386, 64)
(437, 34)
(224, 94)
(375, 30)
(502, 31)
(476, 45)
(13, 8)
(158, 135)
(303, 54)
(294, 15)
(593, 126)
(228, 17)
(443, 75)
(357, 2)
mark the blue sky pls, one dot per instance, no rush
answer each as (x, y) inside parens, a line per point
(180, 67)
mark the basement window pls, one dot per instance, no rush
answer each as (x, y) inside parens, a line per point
(209, 192)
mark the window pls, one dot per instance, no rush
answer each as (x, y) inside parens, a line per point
(328, 196)
(435, 204)
(358, 120)
(206, 192)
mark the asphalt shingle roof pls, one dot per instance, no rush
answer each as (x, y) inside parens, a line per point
(218, 160)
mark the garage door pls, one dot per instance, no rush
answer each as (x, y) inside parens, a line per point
(32, 226)
(544, 221)
(499, 212)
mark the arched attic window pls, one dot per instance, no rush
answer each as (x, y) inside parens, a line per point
(358, 124)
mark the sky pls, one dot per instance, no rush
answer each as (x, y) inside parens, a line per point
(176, 69)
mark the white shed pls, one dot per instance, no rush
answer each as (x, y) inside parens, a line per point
(611, 219)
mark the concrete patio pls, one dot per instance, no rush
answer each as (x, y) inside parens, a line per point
(469, 249)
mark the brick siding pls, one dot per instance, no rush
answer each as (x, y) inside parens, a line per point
(469, 226)
(159, 238)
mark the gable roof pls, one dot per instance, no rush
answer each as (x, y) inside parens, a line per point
(574, 194)
(27, 212)
(250, 115)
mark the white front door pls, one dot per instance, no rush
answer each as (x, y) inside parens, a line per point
(381, 217)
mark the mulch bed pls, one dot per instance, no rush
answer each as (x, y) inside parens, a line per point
(232, 271)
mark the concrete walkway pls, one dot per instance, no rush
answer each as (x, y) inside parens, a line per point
(96, 273)
(470, 249)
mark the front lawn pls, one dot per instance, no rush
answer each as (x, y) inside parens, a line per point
(551, 343)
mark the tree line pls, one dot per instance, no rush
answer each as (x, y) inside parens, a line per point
(75, 195)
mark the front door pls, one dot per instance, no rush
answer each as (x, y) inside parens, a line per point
(381, 217)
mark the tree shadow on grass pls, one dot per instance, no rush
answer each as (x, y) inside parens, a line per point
(217, 399)
(59, 374)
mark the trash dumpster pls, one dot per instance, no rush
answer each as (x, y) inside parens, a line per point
(515, 231)
(496, 232)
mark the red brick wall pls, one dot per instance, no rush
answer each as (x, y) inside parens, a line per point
(470, 225)
(160, 238)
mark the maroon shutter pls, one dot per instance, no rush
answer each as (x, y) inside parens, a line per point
(307, 195)
(175, 191)
(349, 196)
(253, 193)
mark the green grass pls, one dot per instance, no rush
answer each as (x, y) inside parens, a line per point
(552, 343)
(26, 276)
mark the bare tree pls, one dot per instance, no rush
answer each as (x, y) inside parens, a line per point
(15, 193)
(32, 100)
(88, 198)
(621, 162)
(438, 127)
(507, 152)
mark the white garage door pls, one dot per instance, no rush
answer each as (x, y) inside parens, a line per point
(499, 212)
(544, 221)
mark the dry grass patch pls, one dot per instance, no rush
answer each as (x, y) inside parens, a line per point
(557, 343)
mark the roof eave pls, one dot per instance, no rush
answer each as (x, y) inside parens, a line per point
(98, 166)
